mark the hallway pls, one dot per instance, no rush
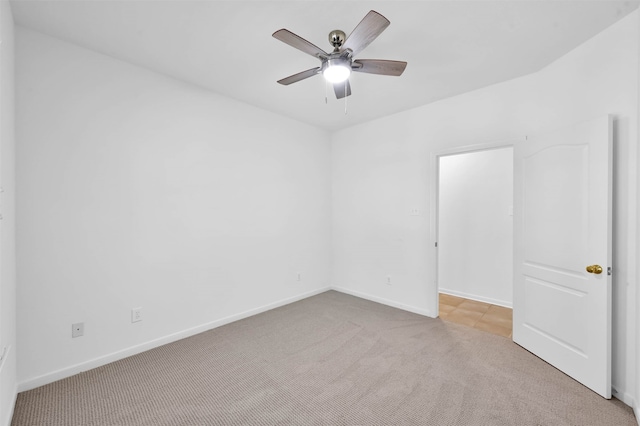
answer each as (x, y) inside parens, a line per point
(483, 316)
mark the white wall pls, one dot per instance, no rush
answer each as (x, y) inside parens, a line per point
(475, 225)
(637, 310)
(382, 170)
(7, 224)
(137, 190)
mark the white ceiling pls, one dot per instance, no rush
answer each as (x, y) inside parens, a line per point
(451, 46)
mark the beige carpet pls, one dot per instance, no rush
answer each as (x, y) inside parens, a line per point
(331, 359)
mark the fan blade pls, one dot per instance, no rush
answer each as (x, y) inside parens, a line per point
(379, 66)
(367, 30)
(342, 89)
(300, 76)
(299, 43)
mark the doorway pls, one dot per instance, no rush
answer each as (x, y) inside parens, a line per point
(475, 237)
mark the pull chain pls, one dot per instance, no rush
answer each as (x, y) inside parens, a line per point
(326, 83)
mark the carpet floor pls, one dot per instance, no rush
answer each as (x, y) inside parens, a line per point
(331, 359)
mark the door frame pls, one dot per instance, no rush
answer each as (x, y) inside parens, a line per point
(435, 195)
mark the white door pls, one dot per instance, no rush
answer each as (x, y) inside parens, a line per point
(562, 252)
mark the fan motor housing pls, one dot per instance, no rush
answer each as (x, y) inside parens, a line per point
(337, 38)
(336, 60)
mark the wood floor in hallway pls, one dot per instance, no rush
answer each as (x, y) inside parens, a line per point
(483, 316)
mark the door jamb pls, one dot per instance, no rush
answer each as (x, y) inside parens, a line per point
(435, 188)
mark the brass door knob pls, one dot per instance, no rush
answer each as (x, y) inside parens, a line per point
(594, 269)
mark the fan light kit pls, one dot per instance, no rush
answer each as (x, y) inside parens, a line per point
(336, 67)
(337, 71)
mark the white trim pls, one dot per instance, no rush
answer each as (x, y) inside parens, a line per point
(387, 302)
(470, 296)
(435, 186)
(12, 406)
(624, 397)
(7, 420)
(487, 146)
(627, 399)
(62, 373)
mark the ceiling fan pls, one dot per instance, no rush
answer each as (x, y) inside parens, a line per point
(336, 66)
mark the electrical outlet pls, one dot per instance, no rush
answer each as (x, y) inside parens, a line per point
(388, 279)
(77, 329)
(136, 314)
(299, 276)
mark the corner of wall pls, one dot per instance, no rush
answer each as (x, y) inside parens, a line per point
(8, 361)
(636, 402)
(384, 301)
(9, 387)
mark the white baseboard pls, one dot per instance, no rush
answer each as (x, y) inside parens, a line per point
(44, 379)
(6, 420)
(470, 296)
(12, 406)
(115, 356)
(635, 404)
(623, 396)
(387, 302)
